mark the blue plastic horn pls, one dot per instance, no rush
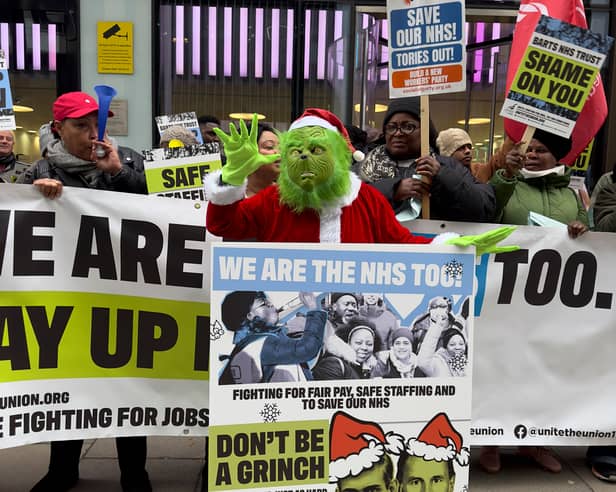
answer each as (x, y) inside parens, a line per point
(105, 94)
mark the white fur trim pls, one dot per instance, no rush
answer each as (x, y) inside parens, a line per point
(222, 194)
(330, 226)
(358, 156)
(463, 457)
(430, 452)
(312, 121)
(443, 238)
(354, 464)
(395, 443)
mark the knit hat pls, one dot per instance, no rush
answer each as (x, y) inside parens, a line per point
(401, 332)
(328, 120)
(450, 140)
(558, 146)
(439, 441)
(356, 445)
(410, 105)
(334, 296)
(236, 306)
(74, 105)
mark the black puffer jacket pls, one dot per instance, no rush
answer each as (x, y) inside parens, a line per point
(454, 194)
(131, 179)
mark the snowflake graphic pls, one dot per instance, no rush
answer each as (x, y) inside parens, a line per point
(216, 330)
(270, 412)
(454, 269)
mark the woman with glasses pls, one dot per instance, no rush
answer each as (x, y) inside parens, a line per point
(396, 169)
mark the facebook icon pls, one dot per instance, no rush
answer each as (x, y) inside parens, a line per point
(520, 431)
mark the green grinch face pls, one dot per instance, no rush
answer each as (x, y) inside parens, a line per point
(310, 161)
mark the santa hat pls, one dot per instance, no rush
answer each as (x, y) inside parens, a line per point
(328, 120)
(356, 445)
(439, 441)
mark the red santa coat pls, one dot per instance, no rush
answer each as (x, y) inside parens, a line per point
(362, 216)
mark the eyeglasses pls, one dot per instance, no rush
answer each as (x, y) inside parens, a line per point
(405, 128)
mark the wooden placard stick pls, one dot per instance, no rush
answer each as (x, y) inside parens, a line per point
(526, 138)
(424, 122)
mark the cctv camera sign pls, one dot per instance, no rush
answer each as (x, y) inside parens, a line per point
(426, 47)
(115, 47)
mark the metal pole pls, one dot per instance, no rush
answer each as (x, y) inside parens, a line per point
(364, 76)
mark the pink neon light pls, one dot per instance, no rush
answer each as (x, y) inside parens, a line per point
(496, 30)
(289, 65)
(4, 41)
(259, 43)
(307, 45)
(339, 44)
(228, 40)
(243, 42)
(196, 41)
(51, 46)
(20, 46)
(179, 40)
(478, 62)
(384, 75)
(364, 21)
(321, 48)
(36, 46)
(275, 37)
(211, 41)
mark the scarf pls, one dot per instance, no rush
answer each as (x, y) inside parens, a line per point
(60, 157)
(457, 364)
(558, 170)
(7, 162)
(406, 370)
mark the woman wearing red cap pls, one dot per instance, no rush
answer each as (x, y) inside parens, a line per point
(72, 160)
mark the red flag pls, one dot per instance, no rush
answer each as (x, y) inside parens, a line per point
(594, 112)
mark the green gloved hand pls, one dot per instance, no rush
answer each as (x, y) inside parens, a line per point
(242, 152)
(486, 242)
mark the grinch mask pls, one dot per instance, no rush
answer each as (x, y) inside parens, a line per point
(314, 168)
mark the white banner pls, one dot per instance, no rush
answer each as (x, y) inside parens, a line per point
(544, 338)
(104, 318)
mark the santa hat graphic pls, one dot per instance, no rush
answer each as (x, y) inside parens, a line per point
(326, 119)
(355, 446)
(439, 441)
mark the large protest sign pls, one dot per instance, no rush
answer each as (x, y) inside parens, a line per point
(544, 338)
(426, 47)
(104, 317)
(595, 110)
(556, 75)
(7, 116)
(178, 172)
(291, 407)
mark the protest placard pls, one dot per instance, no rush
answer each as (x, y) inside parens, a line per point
(281, 386)
(426, 47)
(7, 116)
(556, 76)
(188, 120)
(178, 172)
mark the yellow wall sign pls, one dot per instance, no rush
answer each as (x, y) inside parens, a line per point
(115, 47)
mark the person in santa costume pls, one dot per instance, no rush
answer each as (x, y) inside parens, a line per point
(316, 199)
(360, 454)
(427, 461)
